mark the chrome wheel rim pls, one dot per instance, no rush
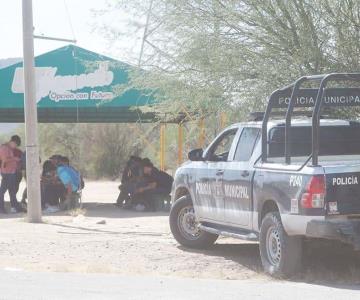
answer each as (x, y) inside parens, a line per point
(273, 246)
(187, 223)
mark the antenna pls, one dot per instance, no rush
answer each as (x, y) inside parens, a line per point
(145, 35)
(42, 37)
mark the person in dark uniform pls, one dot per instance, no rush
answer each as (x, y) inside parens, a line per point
(52, 190)
(130, 178)
(157, 188)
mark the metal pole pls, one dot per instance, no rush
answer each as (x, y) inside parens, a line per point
(50, 38)
(31, 137)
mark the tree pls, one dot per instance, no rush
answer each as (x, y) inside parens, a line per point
(97, 150)
(110, 147)
(211, 55)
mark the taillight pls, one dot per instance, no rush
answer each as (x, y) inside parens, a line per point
(314, 195)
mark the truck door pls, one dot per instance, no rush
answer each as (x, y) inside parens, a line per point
(209, 203)
(237, 179)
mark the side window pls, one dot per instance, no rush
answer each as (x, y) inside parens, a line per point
(246, 144)
(220, 150)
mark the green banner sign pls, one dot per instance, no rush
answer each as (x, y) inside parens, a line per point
(72, 77)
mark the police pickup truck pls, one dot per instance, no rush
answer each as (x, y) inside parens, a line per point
(277, 181)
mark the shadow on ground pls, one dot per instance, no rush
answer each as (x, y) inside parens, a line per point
(82, 230)
(108, 210)
(246, 255)
(9, 215)
(327, 264)
(12, 216)
(95, 210)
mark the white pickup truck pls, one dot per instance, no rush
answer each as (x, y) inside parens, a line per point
(276, 182)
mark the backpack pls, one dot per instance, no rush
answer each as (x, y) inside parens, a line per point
(74, 175)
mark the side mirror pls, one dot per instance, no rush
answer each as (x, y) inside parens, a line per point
(196, 155)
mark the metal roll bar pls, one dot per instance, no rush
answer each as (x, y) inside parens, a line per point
(309, 98)
(319, 101)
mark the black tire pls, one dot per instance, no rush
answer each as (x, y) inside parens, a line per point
(288, 262)
(201, 239)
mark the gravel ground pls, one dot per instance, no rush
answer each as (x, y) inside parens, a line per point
(104, 239)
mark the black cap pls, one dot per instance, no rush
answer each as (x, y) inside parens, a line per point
(55, 156)
(16, 139)
(147, 163)
(65, 159)
(135, 158)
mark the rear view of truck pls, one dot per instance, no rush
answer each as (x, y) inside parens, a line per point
(334, 189)
(339, 157)
(338, 184)
(320, 161)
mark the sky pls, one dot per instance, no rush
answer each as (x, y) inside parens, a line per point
(54, 18)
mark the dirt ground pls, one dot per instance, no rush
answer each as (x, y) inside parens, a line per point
(104, 239)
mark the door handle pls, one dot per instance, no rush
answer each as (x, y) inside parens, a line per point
(245, 173)
(219, 172)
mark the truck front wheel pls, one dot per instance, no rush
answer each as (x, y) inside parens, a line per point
(185, 228)
(280, 254)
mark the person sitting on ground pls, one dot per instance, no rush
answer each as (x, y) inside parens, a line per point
(129, 179)
(64, 160)
(52, 190)
(8, 168)
(157, 188)
(71, 180)
(55, 159)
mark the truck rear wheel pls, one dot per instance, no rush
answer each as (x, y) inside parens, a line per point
(280, 254)
(185, 228)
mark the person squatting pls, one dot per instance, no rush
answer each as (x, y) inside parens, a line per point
(143, 186)
(60, 182)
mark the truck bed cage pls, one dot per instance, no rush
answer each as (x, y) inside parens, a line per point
(293, 95)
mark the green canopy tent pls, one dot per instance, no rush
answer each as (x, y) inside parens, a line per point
(74, 85)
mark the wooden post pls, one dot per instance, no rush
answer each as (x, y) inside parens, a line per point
(201, 141)
(223, 119)
(162, 146)
(180, 144)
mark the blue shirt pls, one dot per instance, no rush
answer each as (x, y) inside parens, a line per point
(68, 175)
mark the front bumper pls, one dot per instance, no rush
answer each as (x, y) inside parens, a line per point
(346, 231)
